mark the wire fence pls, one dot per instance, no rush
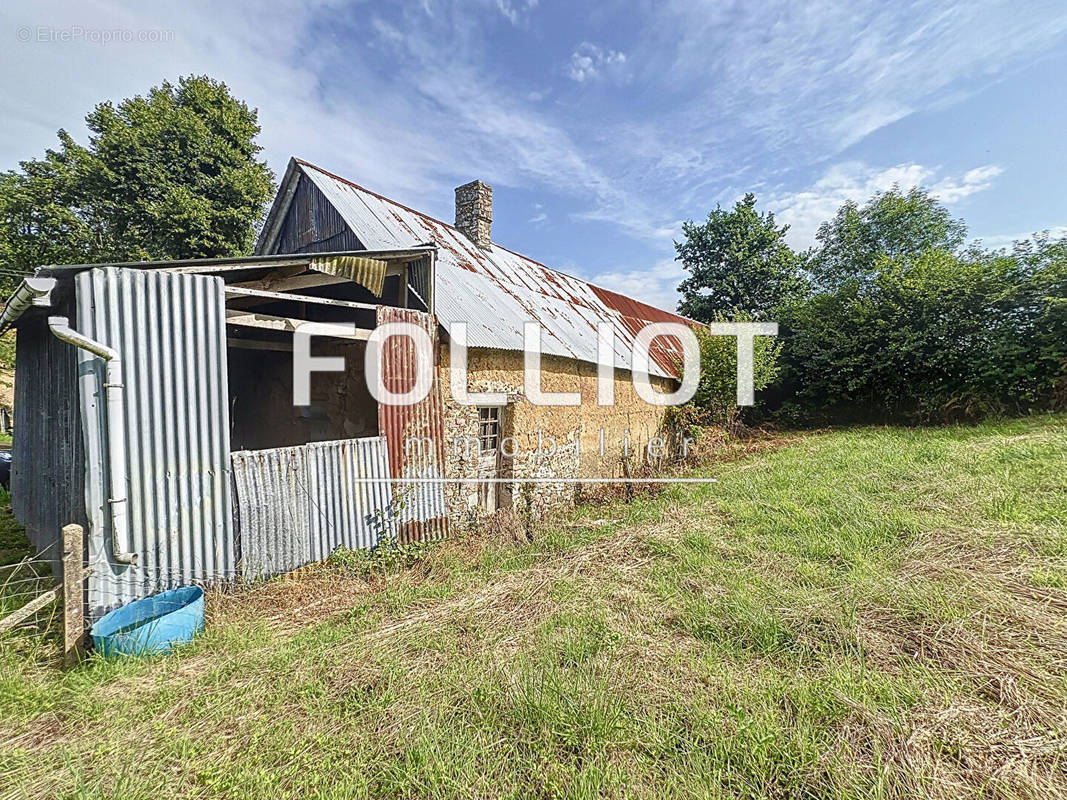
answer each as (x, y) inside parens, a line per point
(22, 583)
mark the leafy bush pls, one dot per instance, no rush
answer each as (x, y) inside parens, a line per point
(715, 401)
(936, 336)
(388, 557)
(888, 316)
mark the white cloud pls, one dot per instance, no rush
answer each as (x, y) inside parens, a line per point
(413, 100)
(267, 64)
(805, 210)
(590, 61)
(657, 286)
(951, 190)
(446, 119)
(819, 76)
(514, 10)
(494, 135)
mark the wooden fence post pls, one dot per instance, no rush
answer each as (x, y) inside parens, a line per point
(73, 593)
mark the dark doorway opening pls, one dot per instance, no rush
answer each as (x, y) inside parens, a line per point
(262, 414)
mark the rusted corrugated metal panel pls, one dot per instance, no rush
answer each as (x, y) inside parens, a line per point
(414, 433)
(296, 505)
(495, 291)
(367, 272)
(666, 351)
(47, 469)
(350, 500)
(171, 334)
(272, 510)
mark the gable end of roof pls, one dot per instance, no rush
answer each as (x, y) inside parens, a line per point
(492, 291)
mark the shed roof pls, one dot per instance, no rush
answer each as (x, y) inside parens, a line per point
(494, 291)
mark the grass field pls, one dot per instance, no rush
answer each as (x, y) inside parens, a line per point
(867, 613)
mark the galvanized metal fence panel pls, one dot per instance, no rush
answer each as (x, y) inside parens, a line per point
(350, 495)
(297, 505)
(271, 510)
(171, 334)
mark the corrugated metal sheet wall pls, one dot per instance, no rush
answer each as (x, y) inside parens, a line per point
(48, 473)
(271, 508)
(296, 505)
(420, 275)
(407, 429)
(170, 331)
(347, 508)
(313, 225)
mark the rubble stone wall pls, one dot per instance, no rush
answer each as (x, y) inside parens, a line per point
(545, 441)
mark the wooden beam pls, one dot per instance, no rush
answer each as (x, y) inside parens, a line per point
(255, 344)
(280, 207)
(267, 262)
(308, 281)
(31, 608)
(269, 322)
(238, 266)
(286, 279)
(279, 274)
(298, 298)
(73, 591)
(36, 604)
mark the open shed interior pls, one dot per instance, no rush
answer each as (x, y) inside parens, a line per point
(265, 303)
(262, 414)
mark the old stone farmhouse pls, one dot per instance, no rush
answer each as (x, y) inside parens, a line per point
(494, 290)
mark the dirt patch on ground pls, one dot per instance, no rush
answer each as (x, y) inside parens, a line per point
(290, 602)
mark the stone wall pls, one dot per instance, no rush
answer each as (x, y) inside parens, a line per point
(528, 432)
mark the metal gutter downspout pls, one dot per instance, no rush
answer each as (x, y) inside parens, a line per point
(30, 292)
(116, 435)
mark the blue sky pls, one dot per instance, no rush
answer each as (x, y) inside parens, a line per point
(600, 126)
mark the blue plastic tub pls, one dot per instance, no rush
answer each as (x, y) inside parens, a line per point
(152, 625)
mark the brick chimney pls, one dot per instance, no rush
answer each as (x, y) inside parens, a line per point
(474, 212)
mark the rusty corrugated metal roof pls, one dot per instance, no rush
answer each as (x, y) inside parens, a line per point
(495, 291)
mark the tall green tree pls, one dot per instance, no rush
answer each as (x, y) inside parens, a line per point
(738, 261)
(892, 225)
(42, 220)
(171, 174)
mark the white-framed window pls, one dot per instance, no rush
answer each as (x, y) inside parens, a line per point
(488, 429)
